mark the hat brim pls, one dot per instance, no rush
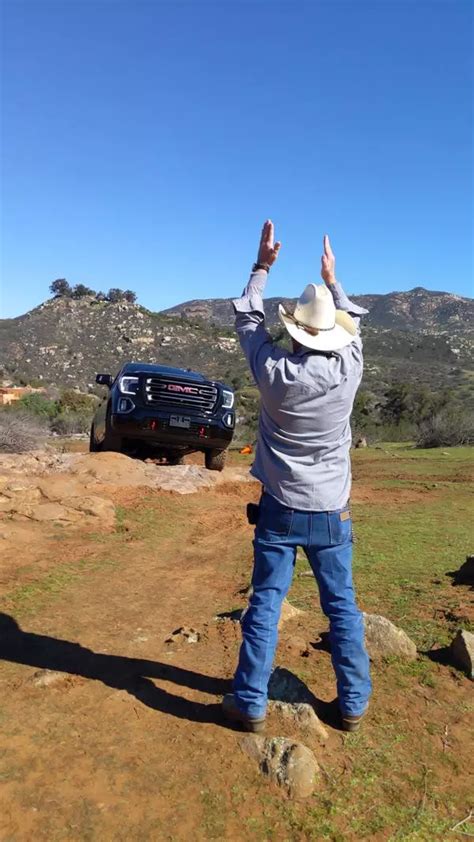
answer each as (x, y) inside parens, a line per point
(338, 337)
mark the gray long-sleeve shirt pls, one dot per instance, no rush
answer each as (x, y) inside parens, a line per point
(304, 434)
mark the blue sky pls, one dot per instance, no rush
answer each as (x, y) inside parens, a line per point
(144, 144)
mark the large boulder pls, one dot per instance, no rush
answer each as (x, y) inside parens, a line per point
(290, 765)
(462, 651)
(384, 639)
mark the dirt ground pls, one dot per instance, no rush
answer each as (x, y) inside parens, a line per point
(109, 732)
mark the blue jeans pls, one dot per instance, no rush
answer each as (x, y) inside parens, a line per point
(326, 538)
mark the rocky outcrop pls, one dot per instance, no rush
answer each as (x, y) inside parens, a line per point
(76, 487)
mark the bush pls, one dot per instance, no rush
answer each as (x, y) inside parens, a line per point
(72, 401)
(21, 431)
(446, 428)
(70, 423)
(36, 404)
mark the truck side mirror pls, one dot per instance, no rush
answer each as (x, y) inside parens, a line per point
(104, 380)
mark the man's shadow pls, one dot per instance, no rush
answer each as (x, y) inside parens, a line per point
(133, 674)
(130, 674)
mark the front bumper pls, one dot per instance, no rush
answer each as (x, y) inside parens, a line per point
(154, 428)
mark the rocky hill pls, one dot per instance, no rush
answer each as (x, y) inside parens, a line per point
(418, 309)
(419, 336)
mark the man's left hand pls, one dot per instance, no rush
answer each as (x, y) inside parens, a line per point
(328, 263)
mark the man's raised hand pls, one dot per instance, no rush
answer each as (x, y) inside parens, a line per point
(328, 263)
(268, 251)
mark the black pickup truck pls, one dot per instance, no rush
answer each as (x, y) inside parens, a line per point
(165, 412)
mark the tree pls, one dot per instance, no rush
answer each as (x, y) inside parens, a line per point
(364, 411)
(80, 291)
(405, 402)
(61, 288)
(114, 295)
(130, 296)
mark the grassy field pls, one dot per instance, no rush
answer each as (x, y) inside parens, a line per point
(95, 758)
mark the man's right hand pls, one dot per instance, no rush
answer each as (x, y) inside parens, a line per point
(268, 252)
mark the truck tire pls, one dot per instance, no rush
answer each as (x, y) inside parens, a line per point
(111, 442)
(175, 459)
(94, 446)
(215, 459)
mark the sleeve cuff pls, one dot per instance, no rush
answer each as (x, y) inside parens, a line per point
(249, 304)
(342, 302)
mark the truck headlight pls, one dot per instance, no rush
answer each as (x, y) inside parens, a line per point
(228, 399)
(128, 385)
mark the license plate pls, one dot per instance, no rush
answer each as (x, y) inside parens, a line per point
(180, 421)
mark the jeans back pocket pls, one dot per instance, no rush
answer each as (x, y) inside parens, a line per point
(340, 526)
(275, 520)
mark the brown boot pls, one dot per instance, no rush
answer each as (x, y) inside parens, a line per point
(351, 723)
(233, 714)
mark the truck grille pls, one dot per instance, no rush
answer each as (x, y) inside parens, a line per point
(163, 391)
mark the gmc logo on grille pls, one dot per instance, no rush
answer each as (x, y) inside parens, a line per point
(185, 390)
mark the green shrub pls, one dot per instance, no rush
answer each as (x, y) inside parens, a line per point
(36, 404)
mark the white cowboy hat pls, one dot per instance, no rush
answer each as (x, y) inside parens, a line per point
(315, 322)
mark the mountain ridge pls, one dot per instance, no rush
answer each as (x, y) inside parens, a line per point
(419, 336)
(418, 308)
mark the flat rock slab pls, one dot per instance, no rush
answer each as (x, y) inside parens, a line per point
(291, 765)
(383, 639)
(462, 652)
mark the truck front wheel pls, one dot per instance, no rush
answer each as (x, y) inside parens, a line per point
(215, 459)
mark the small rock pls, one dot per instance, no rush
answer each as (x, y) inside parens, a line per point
(361, 442)
(462, 651)
(383, 639)
(288, 611)
(297, 644)
(290, 765)
(303, 716)
(234, 616)
(184, 634)
(47, 678)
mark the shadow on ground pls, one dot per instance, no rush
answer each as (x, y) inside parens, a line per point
(133, 675)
